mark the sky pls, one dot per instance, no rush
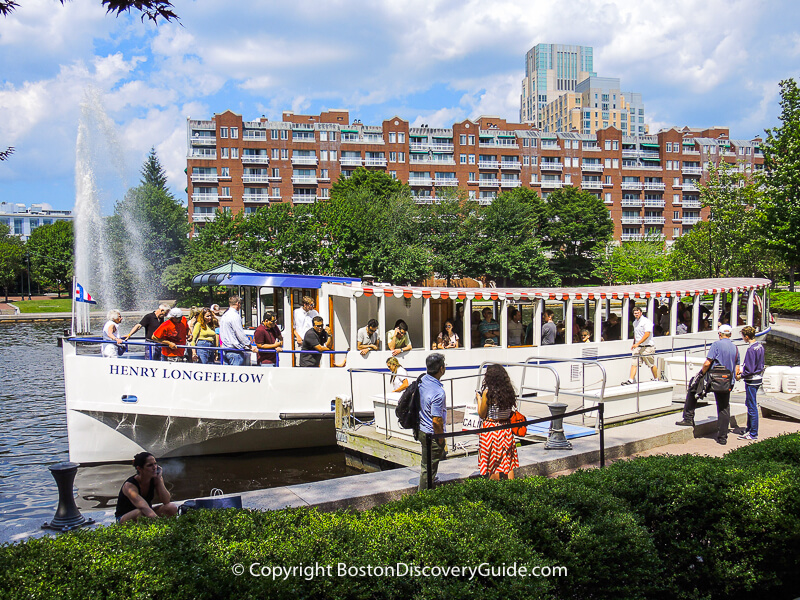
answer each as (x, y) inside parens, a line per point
(437, 62)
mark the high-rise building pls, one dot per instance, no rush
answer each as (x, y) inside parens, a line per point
(550, 71)
(650, 183)
(22, 220)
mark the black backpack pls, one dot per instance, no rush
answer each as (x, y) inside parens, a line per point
(407, 411)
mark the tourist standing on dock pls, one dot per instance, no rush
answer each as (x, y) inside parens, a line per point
(399, 379)
(432, 413)
(725, 353)
(173, 333)
(267, 336)
(316, 339)
(752, 371)
(231, 335)
(496, 402)
(367, 338)
(151, 322)
(303, 319)
(111, 334)
(643, 347)
(138, 492)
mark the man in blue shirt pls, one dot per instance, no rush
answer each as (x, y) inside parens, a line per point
(432, 412)
(722, 352)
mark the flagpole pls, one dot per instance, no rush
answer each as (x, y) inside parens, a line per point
(72, 324)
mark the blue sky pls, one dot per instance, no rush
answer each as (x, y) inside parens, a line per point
(435, 62)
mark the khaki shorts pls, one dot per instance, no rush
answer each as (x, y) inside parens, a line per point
(646, 354)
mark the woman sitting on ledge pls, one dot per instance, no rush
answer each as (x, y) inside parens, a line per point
(137, 493)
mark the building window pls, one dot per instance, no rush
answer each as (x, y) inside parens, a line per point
(472, 140)
(463, 159)
(615, 163)
(234, 153)
(234, 133)
(284, 134)
(462, 139)
(526, 161)
(607, 144)
(333, 155)
(393, 174)
(401, 157)
(323, 155)
(223, 132)
(323, 174)
(608, 179)
(472, 195)
(615, 145)
(276, 172)
(471, 176)
(225, 192)
(392, 137)
(284, 154)
(224, 153)
(225, 172)
(274, 134)
(401, 139)
(392, 156)
(472, 159)
(17, 226)
(608, 198)
(276, 153)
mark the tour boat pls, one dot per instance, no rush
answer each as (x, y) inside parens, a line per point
(117, 407)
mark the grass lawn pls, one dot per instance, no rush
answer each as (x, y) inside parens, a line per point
(45, 306)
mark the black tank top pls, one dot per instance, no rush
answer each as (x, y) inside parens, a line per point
(124, 504)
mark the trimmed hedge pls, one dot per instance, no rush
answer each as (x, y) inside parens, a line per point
(785, 303)
(657, 527)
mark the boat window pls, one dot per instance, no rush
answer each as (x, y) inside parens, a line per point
(272, 300)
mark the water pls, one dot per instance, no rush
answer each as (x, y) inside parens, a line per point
(33, 435)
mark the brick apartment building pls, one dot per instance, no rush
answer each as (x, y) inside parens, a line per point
(648, 182)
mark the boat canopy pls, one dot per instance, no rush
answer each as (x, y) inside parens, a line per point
(255, 279)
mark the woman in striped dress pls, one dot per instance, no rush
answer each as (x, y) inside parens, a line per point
(496, 402)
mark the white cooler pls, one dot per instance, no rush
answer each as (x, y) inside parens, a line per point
(790, 381)
(773, 379)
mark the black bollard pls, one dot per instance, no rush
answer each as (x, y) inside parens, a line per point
(555, 438)
(67, 515)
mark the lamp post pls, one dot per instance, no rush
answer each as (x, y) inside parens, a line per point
(28, 259)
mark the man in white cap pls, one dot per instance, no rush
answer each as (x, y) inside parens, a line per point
(173, 333)
(725, 353)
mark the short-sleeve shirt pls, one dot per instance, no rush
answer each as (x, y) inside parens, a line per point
(311, 340)
(362, 337)
(548, 334)
(515, 332)
(400, 343)
(176, 334)
(489, 331)
(724, 352)
(641, 326)
(397, 379)
(263, 335)
(431, 403)
(303, 321)
(150, 322)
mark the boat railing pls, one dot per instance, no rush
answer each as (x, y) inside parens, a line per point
(150, 346)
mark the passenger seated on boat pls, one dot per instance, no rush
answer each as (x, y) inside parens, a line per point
(489, 329)
(318, 339)
(447, 338)
(267, 336)
(173, 333)
(111, 334)
(136, 496)
(204, 335)
(398, 339)
(585, 336)
(399, 379)
(367, 338)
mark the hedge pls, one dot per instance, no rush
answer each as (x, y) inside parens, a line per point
(657, 527)
(786, 303)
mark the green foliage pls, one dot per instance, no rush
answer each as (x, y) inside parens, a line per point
(784, 450)
(576, 225)
(785, 303)
(632, 262)
(11, 254)
(153, 173)
(52, 252)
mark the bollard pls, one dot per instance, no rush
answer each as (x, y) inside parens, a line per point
(555, 438)
(67, 515)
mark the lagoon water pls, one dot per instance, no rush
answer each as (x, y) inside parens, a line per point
(33, 435)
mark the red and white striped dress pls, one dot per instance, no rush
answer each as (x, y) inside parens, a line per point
(498, 449)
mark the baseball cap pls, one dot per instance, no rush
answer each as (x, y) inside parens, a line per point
(725, 329)
(174, 312)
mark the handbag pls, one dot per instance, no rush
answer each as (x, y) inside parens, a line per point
(721, 379)
(518, 417)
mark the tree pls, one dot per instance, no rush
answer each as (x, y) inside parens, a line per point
(11, 253)
(152, 9)
(576, 225)
(632, 262)
(782, 179)
(153, 173)
(52, 252)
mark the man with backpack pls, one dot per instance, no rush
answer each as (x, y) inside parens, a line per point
(432, 413)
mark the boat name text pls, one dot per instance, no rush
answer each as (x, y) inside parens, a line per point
(183, 374)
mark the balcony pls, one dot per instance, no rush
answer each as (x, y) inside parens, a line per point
(423, 199)
(510, 183)
(255, 159)
(204, 178)
(631, 220)
(204, 140)
(202, 217)
(374, 162)
(631, 185)
(425, 147)
(445, 182)
(430, 160)
(304, 160)
(677, 202)
(592, 167)
(689, 150)
(728, 153)
(649, 154)
(650, 185)
(489, 183)
(591, 185)
(488, 164)
(275, 178)
(692, 203)
(692, 170)
(205, 197)
(420, 181)
(654, 203)
(485, 201)
(654, 220)
(547, 165)
(631, 203)
(304, 180)
(630, 154)
(631, 237)
(691, 220)
(552, 184)
(322, 178)
(275, 197)
(203, 125)
(194, 155)
(350, 161)
(690, 187)
(255, 178)
(499, 145)
(262, 198)
(303, 199)
(534, 181)
(512, 165)
(261, 136)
